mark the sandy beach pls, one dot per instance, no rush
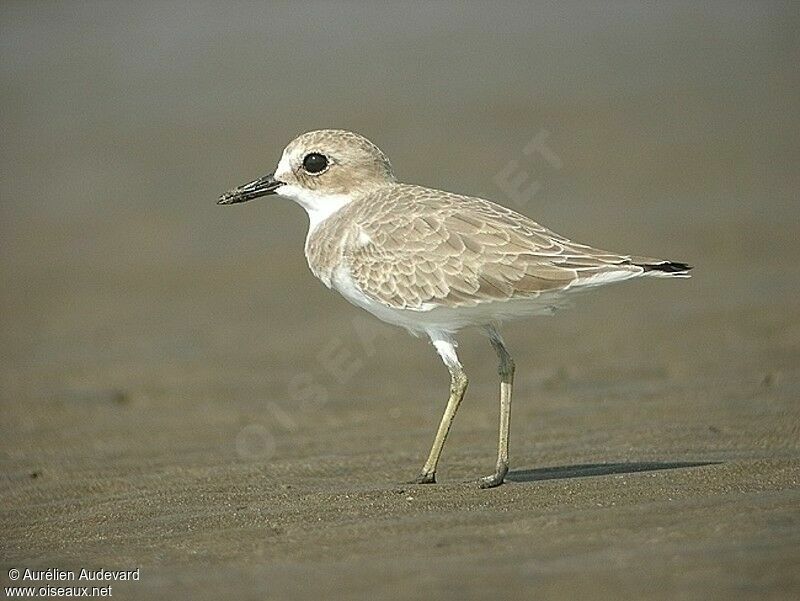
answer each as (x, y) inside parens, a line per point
(180, 395)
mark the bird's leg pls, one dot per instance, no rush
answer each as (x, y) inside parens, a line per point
(458, 385)
(506, 371)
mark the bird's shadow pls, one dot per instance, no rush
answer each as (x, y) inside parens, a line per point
(598, 469)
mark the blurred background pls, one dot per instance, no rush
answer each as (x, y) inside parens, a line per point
(676, 128)
(144, 327)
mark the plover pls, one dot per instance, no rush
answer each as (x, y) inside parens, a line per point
(430, 261)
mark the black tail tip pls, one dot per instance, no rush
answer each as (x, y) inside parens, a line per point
(669, 267)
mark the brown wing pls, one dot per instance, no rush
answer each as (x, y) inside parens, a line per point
(415, 246)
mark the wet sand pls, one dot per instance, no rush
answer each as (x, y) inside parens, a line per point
(179, 394)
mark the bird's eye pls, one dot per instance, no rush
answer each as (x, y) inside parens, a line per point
(315, 162)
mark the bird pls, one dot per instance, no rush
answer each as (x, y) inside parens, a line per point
(433, 262)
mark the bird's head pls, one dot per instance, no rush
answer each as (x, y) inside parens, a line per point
(321, 164)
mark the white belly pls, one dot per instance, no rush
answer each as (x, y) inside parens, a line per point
(439, 318)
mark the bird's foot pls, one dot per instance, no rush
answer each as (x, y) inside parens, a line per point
(490, 481)
(424, 478)
(495, 479)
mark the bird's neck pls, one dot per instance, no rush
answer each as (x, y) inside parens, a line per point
(318, 206)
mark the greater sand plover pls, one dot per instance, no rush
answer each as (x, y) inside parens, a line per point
(430, 261)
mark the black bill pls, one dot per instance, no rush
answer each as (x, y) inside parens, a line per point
(260, 187)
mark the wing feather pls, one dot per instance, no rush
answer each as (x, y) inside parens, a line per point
(426, 247)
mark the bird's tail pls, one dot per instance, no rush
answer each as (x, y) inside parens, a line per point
(663, 269)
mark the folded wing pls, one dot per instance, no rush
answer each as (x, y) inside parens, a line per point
(425, 248)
